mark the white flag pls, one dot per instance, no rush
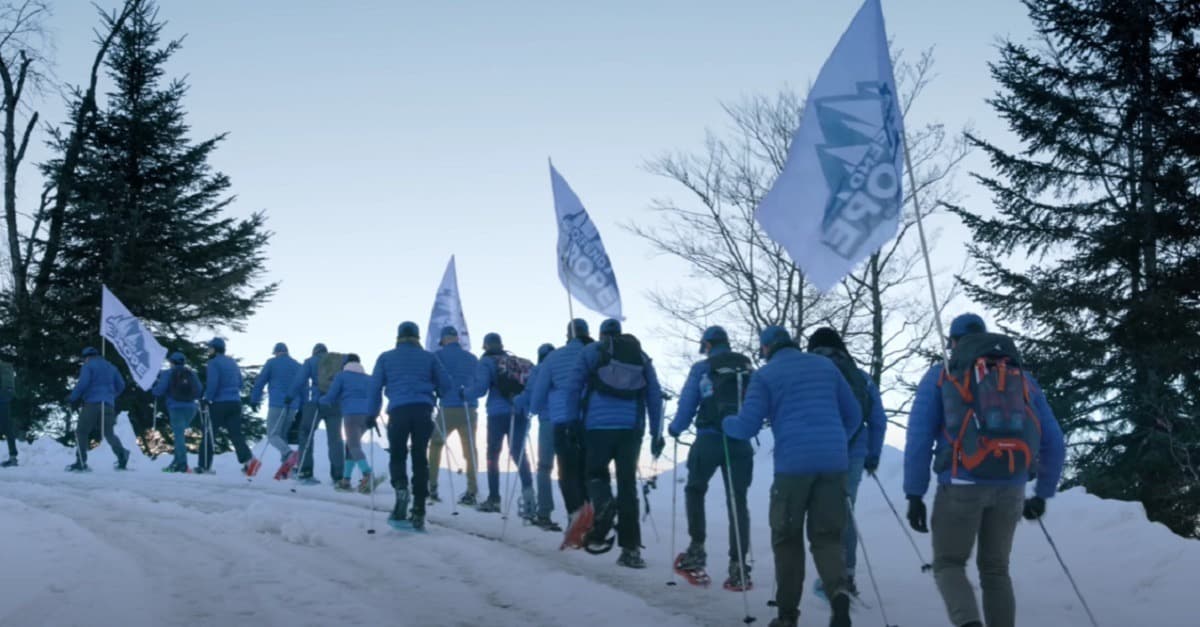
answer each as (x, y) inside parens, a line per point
(447, 311)
(583, 265)
(143, 354)
(839, 196)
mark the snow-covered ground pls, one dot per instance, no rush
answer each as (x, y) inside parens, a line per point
(147, 548)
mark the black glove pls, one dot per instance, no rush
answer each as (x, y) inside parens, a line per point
(871, 465)
(287, 401)
(657, 445)
(1035, 508)
(917, 515)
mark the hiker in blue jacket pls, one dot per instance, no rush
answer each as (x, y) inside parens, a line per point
(812, 412)
(409, 376)
(711, 392)
(278, 374)
(8, 426)
(967, 509)
(94, 397)
(456, 414)
(619, 388)
(556, 395)
(545, 449)
(866, 442)
(223, 403)
(306, 387)
(351, 392)
(503, 422)
(179, 387)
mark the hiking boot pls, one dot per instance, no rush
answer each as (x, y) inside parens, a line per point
(693, 558)
(542, 521)
(11, 462)
(417, 520)
(841, 611)
(468, 500)
(739, 578)
(78, 467)
(631, 558)
(342, 485)
(849, 586)
(122, 460)
(490, 506)
(782, 621)
(527, 509)
(400, 509)
(369, 482)
(973, 623)
(434, 497)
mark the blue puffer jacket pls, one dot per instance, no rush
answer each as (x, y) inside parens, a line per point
(689, 397)
(926, 436)
(485, 383)
(811, 408)
(409, 375)
(304, 384)
(609, 412)
(279, 373)
(557, 389)
(99, 382)
(868, 442)
(223, 380)
(164, 382)
(351, 390)
(460, 367)
(521, 401)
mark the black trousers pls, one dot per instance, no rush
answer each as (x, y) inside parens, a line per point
(8, 425)
(706, 456)
(568, 448)
(621, 446)
(225, 415)
(415, 423)
(91, 418)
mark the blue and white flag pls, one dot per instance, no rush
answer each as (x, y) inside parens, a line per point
(839, 196)
(447, 311)
(143, 354)
(583, 265)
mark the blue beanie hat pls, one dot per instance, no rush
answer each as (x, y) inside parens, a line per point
(774, 335)
(713, 335)
(449, 331)
(319, 349)
(966, 324)
(408, 330)
(611, 326)
(178, 358)
(217, 344)
(492, 340)
(543, 350)
(280, 348)
(578, 328)
(90, 352)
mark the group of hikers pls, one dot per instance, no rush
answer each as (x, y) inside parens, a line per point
(979, 421)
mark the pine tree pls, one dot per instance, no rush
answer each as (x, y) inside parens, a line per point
(1093, 251)
(150, 219)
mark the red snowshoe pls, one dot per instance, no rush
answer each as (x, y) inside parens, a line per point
(696, 577)
(286, 468)
(579, 527)
(252, 467)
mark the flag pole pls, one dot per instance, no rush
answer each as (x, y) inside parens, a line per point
(937, 315)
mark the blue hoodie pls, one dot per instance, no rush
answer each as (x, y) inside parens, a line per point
(351, 391)
(926, 436)
(690, 398)
(460, 366)
(485, 383)
(409, 375)
(279, 373)
(556, 391)
(811, 408)
(99, 382)
(223, 380)
(164, 382)
(604, 412)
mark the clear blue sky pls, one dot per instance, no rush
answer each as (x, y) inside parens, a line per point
(381, 136)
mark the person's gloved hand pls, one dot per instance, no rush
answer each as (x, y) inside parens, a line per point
(77, 404)
(1035, 508)
(204, 405)
(287, 401)
(871, 465)
(673, 433)
(657, 445)
(917, 516)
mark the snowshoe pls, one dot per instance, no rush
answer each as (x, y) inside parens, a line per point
(203, 471)
(631, 558)
(841, 611)
(544, 522)
(286, 467)
(369, 483)
(695, 575)
(527, 509)
(122, 461)
(694, 558)
(252, 467)
(600, 538)
(597, 545)
(434, 497)
(399, 515)
(739, 580)
(308, 479)
(468, 500)
(11, 462)
(490, 506)
(78, 467)
(578, 525)
(343, 485)
(417, 520)
(176, 468)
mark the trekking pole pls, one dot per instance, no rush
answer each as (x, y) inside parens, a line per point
(371, 485)
(674, 501)
(733, 512)
(211, 449)
(512, 484)
(867, 559)
(1067, 571)
(512, 421)
(312, 430)
(449, 467)
(925, 566)
(262, 448)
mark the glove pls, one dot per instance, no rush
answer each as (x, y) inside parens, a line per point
(204, 405)
(77, 404)
(917, 515)
(657, 445)
(871, 465)
(1035, 508)
(673, 433)
(287, 401)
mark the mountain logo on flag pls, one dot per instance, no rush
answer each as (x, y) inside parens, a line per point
(858, 159)
(125, 332)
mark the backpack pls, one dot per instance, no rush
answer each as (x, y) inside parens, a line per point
(179, 387)
(858, 384)
(993, 431)
(722, 389)
(328, 367)
(512, 374)
(621, 371)
(8, 379)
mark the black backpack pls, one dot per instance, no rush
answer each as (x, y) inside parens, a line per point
(721, 392)
(858, 384)
(180, 387)
(512, 374)
(621, 372)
